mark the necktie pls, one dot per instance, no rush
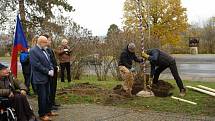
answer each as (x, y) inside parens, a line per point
(48, 58)
(46, 54)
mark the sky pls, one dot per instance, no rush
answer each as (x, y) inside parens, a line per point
(98, 15)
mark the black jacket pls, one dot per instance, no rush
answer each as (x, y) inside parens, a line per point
(159, 58)
(127, 57)
(52, 57)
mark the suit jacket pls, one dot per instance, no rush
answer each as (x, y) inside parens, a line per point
(40, 66)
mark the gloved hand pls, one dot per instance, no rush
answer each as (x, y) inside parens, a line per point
(58, 68)
(51, 73)
(23, 92)
(66, 50)
(11, 94)
(132, 69)
(144, 55)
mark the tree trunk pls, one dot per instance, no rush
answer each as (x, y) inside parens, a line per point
(22, 15)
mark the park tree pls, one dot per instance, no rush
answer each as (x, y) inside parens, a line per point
(208, 37)
(166, 19)
(36, 15)
(205, 33)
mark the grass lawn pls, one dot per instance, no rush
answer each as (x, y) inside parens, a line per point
(205, 103)
(5, 58)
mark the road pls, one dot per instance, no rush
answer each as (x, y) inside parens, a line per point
(194, 67)
(191, 67)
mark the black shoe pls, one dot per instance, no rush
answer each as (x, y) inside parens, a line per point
(182, 92)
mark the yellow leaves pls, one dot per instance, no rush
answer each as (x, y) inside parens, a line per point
(167, 18)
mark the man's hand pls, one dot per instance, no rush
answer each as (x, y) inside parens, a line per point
(11, 94)
(144, 55)
(23, 92)
(58, 68)
(51, 73)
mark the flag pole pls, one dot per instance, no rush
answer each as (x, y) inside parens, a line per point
(139, 2)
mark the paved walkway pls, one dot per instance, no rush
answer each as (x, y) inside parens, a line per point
(81, 112)
(92, 112)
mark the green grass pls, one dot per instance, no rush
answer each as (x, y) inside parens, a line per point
(5, 58)
(92, 80)
(205, 103)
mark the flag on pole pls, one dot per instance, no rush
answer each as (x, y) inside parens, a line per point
(19, 44)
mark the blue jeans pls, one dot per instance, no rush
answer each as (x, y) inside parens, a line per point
(43, 99)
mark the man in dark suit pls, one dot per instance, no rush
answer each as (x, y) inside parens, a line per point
(42, 71)
(53, 83)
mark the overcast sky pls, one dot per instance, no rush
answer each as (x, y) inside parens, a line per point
(98, 15)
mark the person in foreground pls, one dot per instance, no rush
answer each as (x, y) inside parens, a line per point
(159, 61)
(42, 72)
(15, 90)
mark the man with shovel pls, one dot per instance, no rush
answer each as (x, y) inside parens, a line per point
(159, 61)
(125, 67)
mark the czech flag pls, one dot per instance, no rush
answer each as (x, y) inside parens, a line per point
(19, 44)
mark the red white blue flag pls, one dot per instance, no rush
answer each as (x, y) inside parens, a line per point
(19, 44)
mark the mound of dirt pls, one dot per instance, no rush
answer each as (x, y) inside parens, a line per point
(162, 89)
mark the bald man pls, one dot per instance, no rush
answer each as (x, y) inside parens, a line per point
(42, 71)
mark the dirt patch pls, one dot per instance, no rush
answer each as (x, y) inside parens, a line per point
(84, 89)
(104, 96)
(117, 95)
(161, 89)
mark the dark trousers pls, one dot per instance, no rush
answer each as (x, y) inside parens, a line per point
(66, 66)
(27, 80)
(34, 87)
(22, 107)
(43, 99)
(53, 87)
(174, 71)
